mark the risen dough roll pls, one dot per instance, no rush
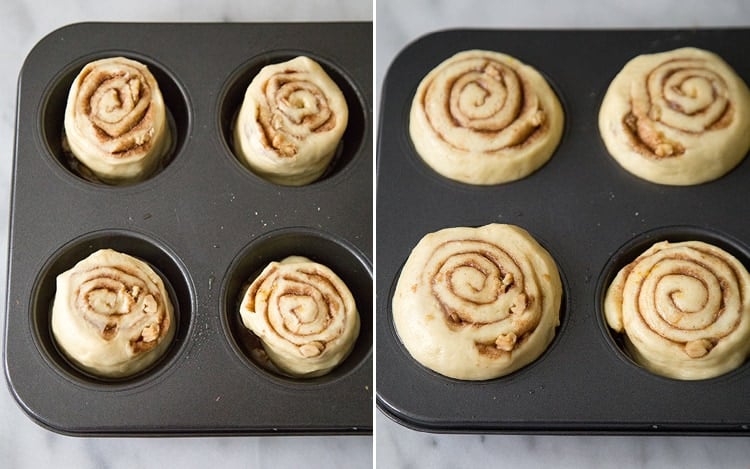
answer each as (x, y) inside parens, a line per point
(115, 120)
(112, 315)
(304, 315)
(477, 303)
(680, 117)
(290, 123)
(684, 308)
(483, 117)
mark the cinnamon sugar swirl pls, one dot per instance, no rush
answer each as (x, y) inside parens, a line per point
(483, 117)
(684, 310)
(303, 314)
(291, 122)
(477, 303)
(116, 121)
(111, 315)
(680, 117)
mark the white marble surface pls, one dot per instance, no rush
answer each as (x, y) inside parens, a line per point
(23, 444)
(398, 22)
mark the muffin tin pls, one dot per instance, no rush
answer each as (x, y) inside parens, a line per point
(204, 221)
(590, 214)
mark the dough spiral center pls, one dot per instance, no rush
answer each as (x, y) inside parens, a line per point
(686, 295)
(116, 99)
(683, 308)
(301, 305)
(682, 94)
(304, 315)
(475, 283)
(117, 300)
(296, 108)
(488, 106)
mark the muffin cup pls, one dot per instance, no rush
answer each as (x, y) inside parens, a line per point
(233, 93)
(634, 248)
(159, 257)
(341, 258)
(53, 137)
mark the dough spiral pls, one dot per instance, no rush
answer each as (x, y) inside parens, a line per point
(678, 117)
(304, 315)
(684, 309)
(111, 314)
(116, 121)
(483, 117)
(477, 303)
(291, 121)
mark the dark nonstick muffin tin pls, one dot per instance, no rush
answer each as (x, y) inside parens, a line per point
(590, 214)
(204, 221)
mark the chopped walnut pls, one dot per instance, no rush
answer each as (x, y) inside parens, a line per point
(655, 140)
(492, 71)
(149, 304)
(311, 349)
(285, 147)
(698, 348)
(135, 89)
(145, 137)
(519, 304)
(506, 342)
(538, 118)
(664, 149)
(506, 282)
(150, 333)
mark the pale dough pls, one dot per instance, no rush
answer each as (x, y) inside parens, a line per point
(684, 309)
(679, 118)
(111, 315)
(291, 121)
(483, 117)
(304, 315)
(477, 303)
(115, 120)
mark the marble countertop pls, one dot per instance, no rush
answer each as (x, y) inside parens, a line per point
(399, 22)
(23, 443)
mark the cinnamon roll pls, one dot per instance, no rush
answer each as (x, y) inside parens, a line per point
(115, 121)
(680, 117)
(684, 310)
(303, 314)
(483, 117)
(111, 314)
(477, 303)
(291, 121)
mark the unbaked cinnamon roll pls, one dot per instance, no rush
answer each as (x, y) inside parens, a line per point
(680, 117)
(477, 303)
(684, 310)
(304, 315)
(116, 121)
(483, 117)
(111, 315)
(291, 121)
